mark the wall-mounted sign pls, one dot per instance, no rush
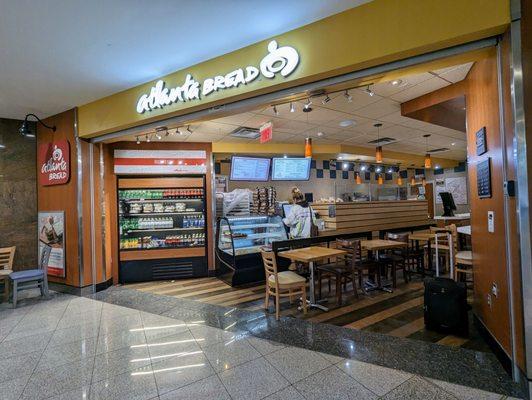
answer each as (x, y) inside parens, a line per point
(282, 60)
(484, 178)
(54, 163)
(159, 162)
(52, 242)
(266, 132)
(480, 141)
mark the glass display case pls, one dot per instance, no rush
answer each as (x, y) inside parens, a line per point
(162, 228)
(246, 235)
(239, 240)
(161, 218)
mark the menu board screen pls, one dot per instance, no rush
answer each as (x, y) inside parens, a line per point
(250, 169)
(291, 169)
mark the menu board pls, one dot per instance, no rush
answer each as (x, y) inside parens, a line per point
(250, 169)
(291, 169)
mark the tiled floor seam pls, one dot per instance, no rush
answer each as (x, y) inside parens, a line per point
(44, 349)
(95, 350)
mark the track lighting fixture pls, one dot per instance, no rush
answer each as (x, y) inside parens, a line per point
(307, 107)
(326, 100)
(348, 97)
(369, 91)
(292, 108)
(148, 140)
(188, 129)
(275, 110)
(138, 140)
(24, 130)
(158, 136)
(178, 130)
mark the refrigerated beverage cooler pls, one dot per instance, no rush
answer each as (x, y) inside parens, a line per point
(162, 228)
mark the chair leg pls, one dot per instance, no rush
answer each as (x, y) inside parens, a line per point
(6, 290)
(15, 292)
(267, 299)
(338, 290)
(394, 275)
(304, 298)
(41, 287)
(277, 306)
(319, 285)
(355, 289)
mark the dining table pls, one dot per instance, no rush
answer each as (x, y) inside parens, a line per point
(430, 237)
(309, 256)
(376, 245)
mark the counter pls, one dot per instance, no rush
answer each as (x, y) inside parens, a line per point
(354, 217)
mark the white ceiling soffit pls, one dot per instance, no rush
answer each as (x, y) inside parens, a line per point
(57, 54)
(339, 121)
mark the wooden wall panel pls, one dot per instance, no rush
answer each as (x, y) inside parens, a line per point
(63, 197)
(110, 190)
(366, 216)
(489, 258)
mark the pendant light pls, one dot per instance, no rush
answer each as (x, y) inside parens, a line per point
(428, 162)
(413, 180)
(308, 147)
(399, 181)
(378, 149)
(380, 180)
(423, 181)
(358, 179)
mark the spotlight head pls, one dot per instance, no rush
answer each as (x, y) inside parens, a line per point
(378, 169)
(307, 107)
(369, 91)
(326, 100)
(348, 97)
(138, 140)
(188, 129)
(148, 139)
(275, 110)
(292, 108)
(363, 168)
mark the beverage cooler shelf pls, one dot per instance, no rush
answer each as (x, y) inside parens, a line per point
(160, 200)
(163, 229)
(156, 214)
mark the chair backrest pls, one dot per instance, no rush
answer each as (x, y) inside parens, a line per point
(454, 236)
(270, 264)
(7, 254)
(353, 248)
(397, 236)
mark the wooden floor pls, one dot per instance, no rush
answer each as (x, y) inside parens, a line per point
(398, 314)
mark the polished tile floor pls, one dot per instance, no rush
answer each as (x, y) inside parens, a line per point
(72, 348)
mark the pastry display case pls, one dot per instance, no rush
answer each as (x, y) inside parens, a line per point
(238, 243)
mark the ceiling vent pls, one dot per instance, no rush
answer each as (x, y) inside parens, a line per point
(245, 133)
(440, 150)
(383, 140)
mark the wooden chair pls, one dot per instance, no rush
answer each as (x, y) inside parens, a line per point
(463, 260)
(442, 240)
(396, 259)
(349, 268)
(7, 254)
(282, 284)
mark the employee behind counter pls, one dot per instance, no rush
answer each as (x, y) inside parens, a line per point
(300, 218)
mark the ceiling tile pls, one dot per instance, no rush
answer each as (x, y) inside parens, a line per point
(418, 90)
(379, 109)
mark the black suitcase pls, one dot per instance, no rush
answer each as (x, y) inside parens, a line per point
(445, 307)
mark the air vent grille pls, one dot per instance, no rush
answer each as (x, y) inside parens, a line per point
(171, 271)
(440, 150)
(382, 140)
(246, 133)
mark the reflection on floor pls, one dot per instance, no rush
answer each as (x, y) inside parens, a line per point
(398, 314)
